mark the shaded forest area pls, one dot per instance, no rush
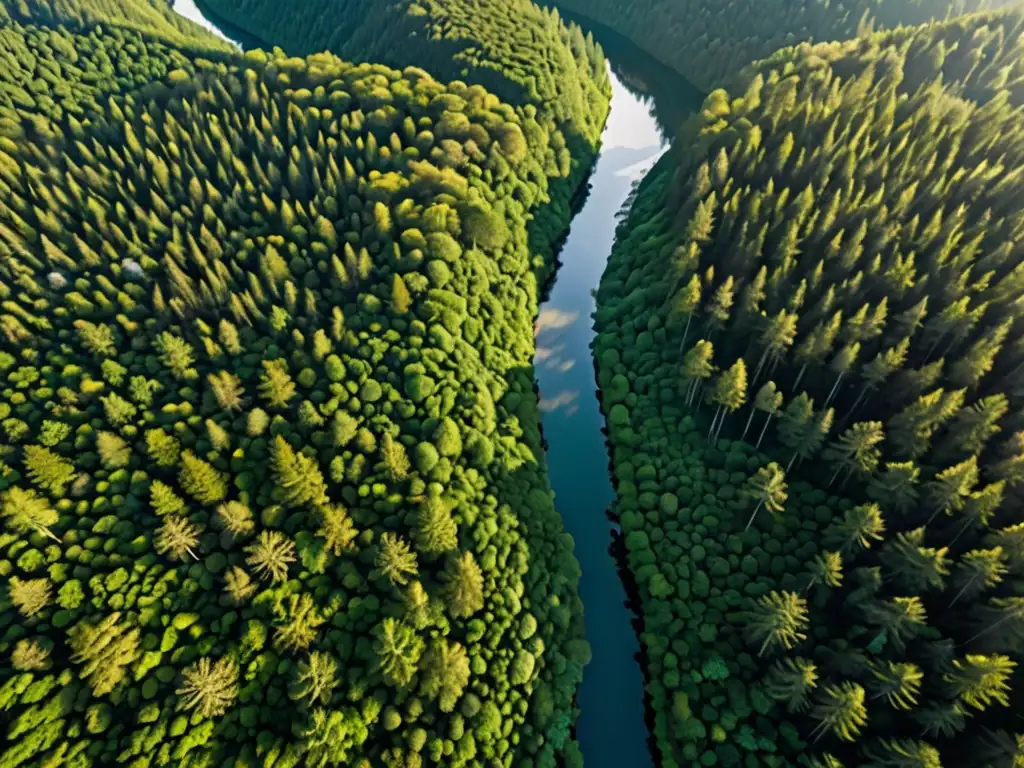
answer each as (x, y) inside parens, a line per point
(706, 42)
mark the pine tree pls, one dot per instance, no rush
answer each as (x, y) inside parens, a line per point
(23, 510)
(977, 571)
(336, 529)
(464, 585)
(826, 568)
(768, 488)
(398, 650)
(902, 753)
(839, 710)
(200, 480)
(235, 518)
(104, 650)
(209, 688)
(914, 566)
(314, 679)
(901, 618)
(29, 597)
(177, 537)
(768, 400)
(895, 486)
(950, 488)
(162, 448)
(777, 619)
(395, 561)
(297, 621)
(791, 681)
(730, 393)
(980, 680)
(393, 458)
(401, 299)
(227, 390)
(297, 476)
(276, 386)
(444, 672)
(435, 532)
(898, 682)
(178, 355)
(164, 500)
(30, 655)
(856, 451)
(685, 303)
(859, 527)
(270, 555)
(697, 368)
(238, 585)
(113, 450)
(48, 470)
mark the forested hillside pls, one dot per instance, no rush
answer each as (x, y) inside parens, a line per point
(809, 352)
(516, 50)
(153, 17)
(706, 42)
(272, 489)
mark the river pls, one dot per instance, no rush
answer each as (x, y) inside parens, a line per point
(648, 100)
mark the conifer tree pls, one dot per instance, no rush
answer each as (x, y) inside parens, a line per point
(398, 650)
(201, 480)
(777, 619)
(209, 688)
(730, 393)
(104, 650)
(435, 532)
(791, 681)
(314, 679)
(297, 476)
(23, 510)
(31, 596)
(177, 537)
(276, 385)
(768, 488)
(464, 585)
(395, 560)
(270, 555)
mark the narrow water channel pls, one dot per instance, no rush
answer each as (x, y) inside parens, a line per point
(648, 102)
(611, 728)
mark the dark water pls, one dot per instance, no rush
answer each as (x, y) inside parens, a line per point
(649, 101)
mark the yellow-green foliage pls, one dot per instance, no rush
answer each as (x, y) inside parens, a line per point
(297, 511)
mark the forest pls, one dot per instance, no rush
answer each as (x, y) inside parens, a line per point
(272, 486)
(809, 343)
(520, 52)
(707, 42)
(273, 489)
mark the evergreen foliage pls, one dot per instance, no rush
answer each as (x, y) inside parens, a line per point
(257, 312)
(842, 222)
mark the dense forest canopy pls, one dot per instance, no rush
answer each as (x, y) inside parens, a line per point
(271, 479)
(552, 73)
(152, 17)
(809, 352)
(706, 42)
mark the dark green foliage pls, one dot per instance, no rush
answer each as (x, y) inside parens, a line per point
(850, 214)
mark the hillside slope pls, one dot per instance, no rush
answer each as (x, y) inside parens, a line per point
(708, 42)
(809, 347)
(272, 488)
